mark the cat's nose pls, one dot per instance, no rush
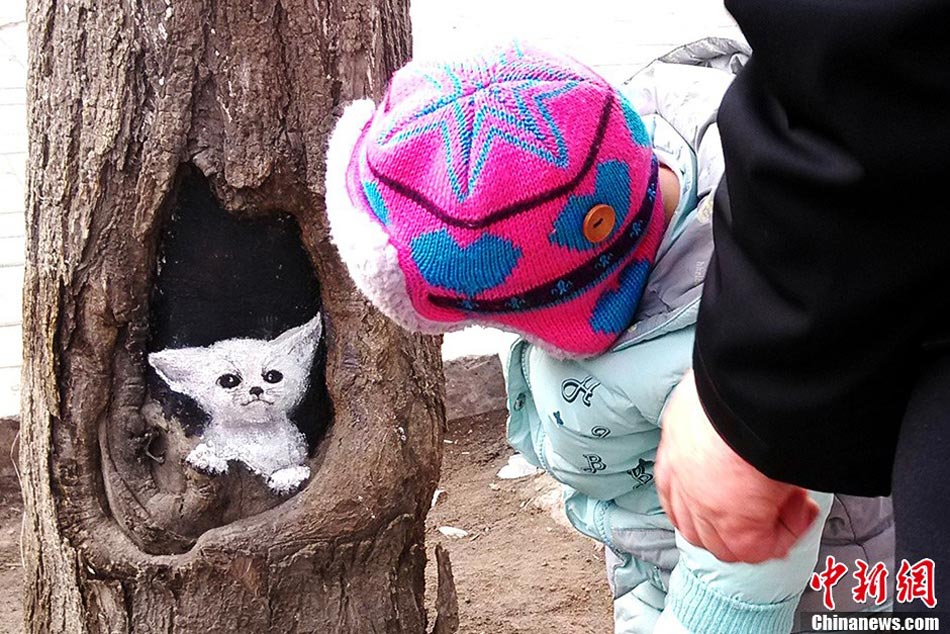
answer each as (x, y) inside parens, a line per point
(256, 391)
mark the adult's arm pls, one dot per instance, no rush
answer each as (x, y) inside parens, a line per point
(832, 259)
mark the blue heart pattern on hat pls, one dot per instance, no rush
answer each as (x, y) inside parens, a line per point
(615, 309)
(612, 188)
(482, 265)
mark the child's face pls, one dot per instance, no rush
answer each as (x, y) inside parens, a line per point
(669, 191)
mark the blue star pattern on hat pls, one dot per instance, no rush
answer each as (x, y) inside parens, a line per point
(493, 103)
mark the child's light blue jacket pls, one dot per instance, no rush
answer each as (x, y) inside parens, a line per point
(593, 424)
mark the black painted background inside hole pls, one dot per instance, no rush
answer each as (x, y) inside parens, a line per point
(223, 277)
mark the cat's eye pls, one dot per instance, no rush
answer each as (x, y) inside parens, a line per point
(273, 376)
(229, 380)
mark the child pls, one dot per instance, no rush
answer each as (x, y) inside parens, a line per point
(522, 191)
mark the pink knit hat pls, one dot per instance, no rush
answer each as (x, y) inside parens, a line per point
(517, 191)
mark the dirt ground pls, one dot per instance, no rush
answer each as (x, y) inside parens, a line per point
(517, 572)
(10, 566)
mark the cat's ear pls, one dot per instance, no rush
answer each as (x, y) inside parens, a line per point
(300, 343)
(178, 368)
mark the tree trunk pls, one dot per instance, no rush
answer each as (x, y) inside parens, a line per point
(126, 99)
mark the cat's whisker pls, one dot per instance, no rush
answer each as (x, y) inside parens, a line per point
(259, 399)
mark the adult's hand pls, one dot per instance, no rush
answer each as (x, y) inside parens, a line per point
(715, 498)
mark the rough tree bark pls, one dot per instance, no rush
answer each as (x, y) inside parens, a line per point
(124, 96)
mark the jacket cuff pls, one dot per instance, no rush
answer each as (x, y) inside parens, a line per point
(730, 427)
(702, 610)
(787, 461)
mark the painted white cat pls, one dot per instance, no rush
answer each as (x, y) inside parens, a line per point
(249, 388)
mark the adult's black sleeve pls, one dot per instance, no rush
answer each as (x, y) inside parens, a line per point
(831, 226)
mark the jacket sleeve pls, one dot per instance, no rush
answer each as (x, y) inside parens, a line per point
(831, 254)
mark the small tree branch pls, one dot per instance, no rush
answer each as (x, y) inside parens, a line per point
(447, 600)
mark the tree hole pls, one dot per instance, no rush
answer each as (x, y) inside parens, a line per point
(235, 365)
